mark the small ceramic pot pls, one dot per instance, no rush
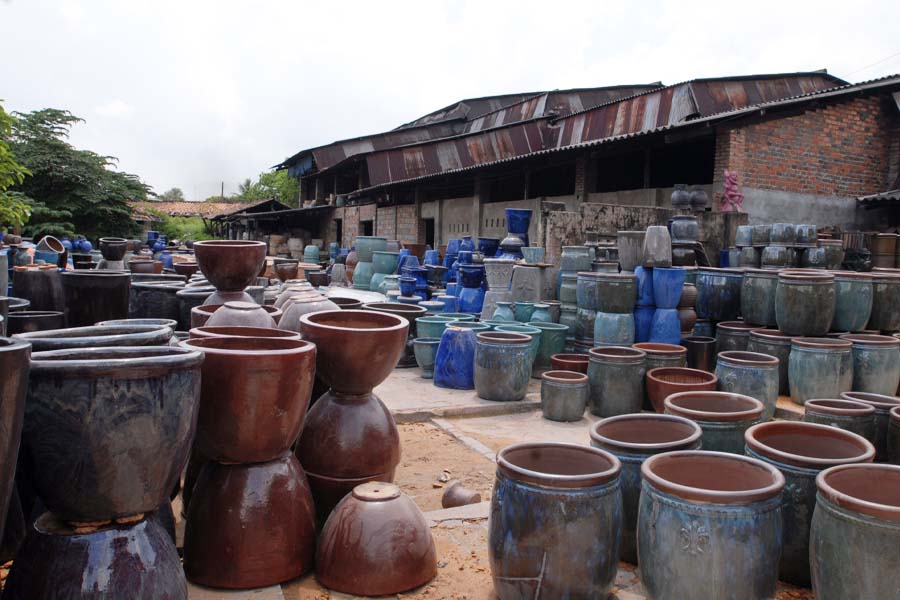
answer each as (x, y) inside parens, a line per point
(856, 417)
(569, 362)
(732, 335)
(425, 349)
(665, 381)
(750, 374)
(723, 417)
(564, 395)
(617, 376)
(701, 352)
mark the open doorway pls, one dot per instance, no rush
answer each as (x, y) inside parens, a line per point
(367, 228)
(429, 232)
(339, 232)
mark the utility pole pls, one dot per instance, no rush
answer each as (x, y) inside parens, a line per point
(223, 191)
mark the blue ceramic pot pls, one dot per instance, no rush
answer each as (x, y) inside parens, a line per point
(852, 301)
(644, 286)
(450, 302)
(471, 276)
(504, 312)
(814, 368)
(750, 374)
(453, 289)
(502, 366)
(471, 300)
(719, 294)
(876, 363)
(643, 318)
(534, 332)
(432, 326)
(464, 258)
(385, 262)
(453, 246)
(523, 311)
(614, 329)
(541, 314)
(488, 246)
(166, 258)
(432, 257)
(617, 380)
(454, 365)
(466, 244)
(407, 286)
(665, 327)
(667, 286)
(518, 221)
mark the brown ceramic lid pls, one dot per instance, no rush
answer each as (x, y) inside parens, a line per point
(879, 401)
(748, 359)
(715, 477)
(500, 337)
(808, 445)
(886, 341)
(821, 343)
(616, 354)
(714, 406)
(870, 489)
(643, 432)
(773, 334)
(736, 325)
(565, 377)
(651, 348)
(558, 465)
(846, 408)
(206, 332)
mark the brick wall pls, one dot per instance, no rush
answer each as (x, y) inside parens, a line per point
(581, 168)
(408, 225)
(384, 222)
(350, 226)
(841, 149)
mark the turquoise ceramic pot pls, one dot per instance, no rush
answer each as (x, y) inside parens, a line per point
(553, 341)
(433, 327)
(385, 262)
(534, 332)
(366, 246)
(504, 312)
(425, 350)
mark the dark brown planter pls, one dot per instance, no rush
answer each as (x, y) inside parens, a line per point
(42, 286)
(375, 515)
(264, 332)
(286, 270)
(139, 265)
(665, 381)
(93, 296)
(250, 526)
(701, 352)
(113, 248)
(14, 357)
(186, 268)
(26, 321)
(230, 266)
(346, 303)
(570, 362)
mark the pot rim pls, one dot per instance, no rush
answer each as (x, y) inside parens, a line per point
(12, 344)
(37, 313)
(504, 338)
(655, 374)
(148, 361)
(269, 346)
(865, 339)
(240, 331)
(894, 413)
(852, 275)
(736, 326)
(554, 480)
(844, 500)
(771, 334)
(427, 340)
(110, 240)
(752, 435)
(616, 354)
(310, 320)
(394, 306)
(749, 359)
(564, 377)
(204, 244)
(504, 329)
(844, 407)
(755, 410)
(721, 270)
(821, 343)
(551, 326)
(767, 273)
(881, 401)
(431, 318)
(812, 277)
(660, 349)
(100, 273)
(699, 338)
(570, 357)
(695, 494)
(690, 440)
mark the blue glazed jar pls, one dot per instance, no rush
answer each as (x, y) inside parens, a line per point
(450, 303)
(534, 332)
(644, 286)
(643, 317)
(852, 301)
(504, 312)
(668, 283)
(750, 374)
(719, 294)
(471, 296)
(556, 521)
(523, 311)
(614, 329)
(815, 368)
(453, 246)
(502, 365)
(517, 222)
(876, 363)
(166, 258)
(541, 314)
(454, 365)
(617, 380)
(432, 257)
(407, 286)
(665, 327)
(488, 246)
(466, 244)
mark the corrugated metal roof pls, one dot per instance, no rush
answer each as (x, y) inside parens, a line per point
(889, 197)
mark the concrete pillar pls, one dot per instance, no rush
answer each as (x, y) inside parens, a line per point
(320, 188)
(481, 194)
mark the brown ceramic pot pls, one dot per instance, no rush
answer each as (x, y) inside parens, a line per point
(286, 270)
(408, 312)
(350, 436)
(200, 315)
(665, 381)
(375, 543)
(144, 265)
(346, 303)
(254, 396)
(264, 332)
(26, 321)
(240, 314)
(570, 362)
(230, 265)
(250, 526)
(186, 268)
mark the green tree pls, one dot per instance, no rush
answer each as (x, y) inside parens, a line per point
(72, 190)
(273, 184)
(14, 207)
(173, 195)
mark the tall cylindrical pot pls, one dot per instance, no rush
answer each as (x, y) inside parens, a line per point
(814, 368)
(758, 297)
(722, 416)
(750, 374)
(883, 406)
(885, 302)
(856, 417)
(615, 329)
(93, 296)
(774, 343)
(876, 363)
(804, 303)
(502, 366)
(617, 380)
(852, 301)
(719, 293)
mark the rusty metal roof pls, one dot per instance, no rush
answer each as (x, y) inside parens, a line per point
(469, 109)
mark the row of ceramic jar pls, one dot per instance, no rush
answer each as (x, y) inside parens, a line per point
(670, 507)
(828, 255)
(776, 234)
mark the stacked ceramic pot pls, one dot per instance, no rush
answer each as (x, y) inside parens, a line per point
(645, 304)
(471, 292)
(572, 260)
(630, 246)
(517, 222)
(498, 273)
(568, 308)
(87, 408)
(668, 284)
(384, 263)
(113, 251)
(614, 320)
(685, 232)
(718, 298)
(230, 266)
(408, 312)
(588, 302)
(366, 246)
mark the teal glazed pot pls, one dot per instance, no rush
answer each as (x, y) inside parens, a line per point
(568, 290)
(617, 292)
(523, 311)
(855, 532)
(723, 417)
(433, 327)
(541, 314)
(750, 374)
(552, 341)
(883, 406)
(454, 364)
(588, 290)
(615, 329)
(502, 368)
(555, 523)
(385, 262)
(774, 343)
(804, 302)
(719, 294)
(534, 332)
(366, 246)
(564, 395)
(801, 451)
(504, 312)
(876, 363)
(633, 439)
(425, 350)
(852, 301)
(893, 437)
(696, 505)
(885, 302)
(855, 417)
(732, 336)
(815, 368)
(660, 355)
(459, 316)
(758, 297)
(617, 380)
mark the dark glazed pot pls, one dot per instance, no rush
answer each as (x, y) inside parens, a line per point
(876, 363)
(616, 292)
(502, 368)
(113, 248)
(893, 437)
(774, 343)
(885, 302)
(97, 336)
(185, 268)
(701, 352)
(819, 368)
(257, 332)
(695, 505)
(376, 542)
(750, 374)
(883, 406)
(662, 382)
(804, 302)
(852, 301)
(41, 286)
(855, 532)
(80, 426)
(856, 417)
(254, 396)
(758, 297)
(34, 320)
(14, 357)
(617, 380)
(155, 300)
(633, 439)
(564, 395)
(732, 336)
(138, 562)
(240, 314)
(719, 293)
(723, 417)
(350, 436)
(800, 451)
(93, 296)
(552, 502)
(408, 312)
(250, 526)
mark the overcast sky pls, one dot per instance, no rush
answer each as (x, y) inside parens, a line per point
(191, 93)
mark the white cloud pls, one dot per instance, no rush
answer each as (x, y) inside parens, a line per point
(114, 108)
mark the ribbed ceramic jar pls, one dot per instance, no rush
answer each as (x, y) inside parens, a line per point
(732, 335)
(852, 301)
(774, 343)
(801, 451)
(564, 395)
(633, 439)
(750, 374)
(876, 363)
(856, 532)
(528, 330)
(856, 417)
(575, 258)
(553, 502)
(723, 417)
(883, 406)
(885, 302)
(615, 329)
(758, 297)
(502, 366)
(617, 380)
(568, 291)
(552, 341)
(804, 303)
(696, 505)
(616, 292)
(719, 293)
(815, 368)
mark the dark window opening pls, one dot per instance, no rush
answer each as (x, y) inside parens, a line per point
(339, 231)
(691, 163)
(552, 181)
(506, 189)
(367, 228)
(620, 172)
(429, 232)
